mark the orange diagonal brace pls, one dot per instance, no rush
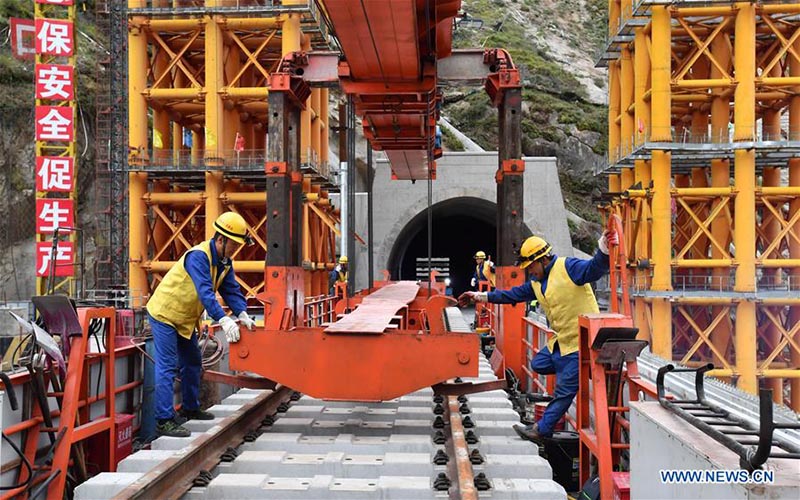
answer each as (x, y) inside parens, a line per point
(177, 59)
(703, 334)
(786, 45)
(703, 228)
(251, 57)
(702, 48)
(176, 231)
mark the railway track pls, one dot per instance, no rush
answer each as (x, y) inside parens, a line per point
(280, 444)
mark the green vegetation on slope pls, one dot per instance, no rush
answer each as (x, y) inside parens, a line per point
(558, 118)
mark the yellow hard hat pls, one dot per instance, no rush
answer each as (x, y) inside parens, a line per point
(343, 259)
(233, 226)
(532, 249)
(480, 254)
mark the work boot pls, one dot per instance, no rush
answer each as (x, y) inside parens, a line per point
(197, 414)
(529, 432)
(172, 428)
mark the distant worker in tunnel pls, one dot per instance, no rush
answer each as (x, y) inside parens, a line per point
(189, 288)
(484, 270)
(338, 275)
(562, 287)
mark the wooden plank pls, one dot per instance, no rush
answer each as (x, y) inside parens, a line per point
(377, 311)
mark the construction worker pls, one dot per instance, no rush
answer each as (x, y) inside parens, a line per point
(338, 275)
(175, 309)
(484, 269)
(562, 287)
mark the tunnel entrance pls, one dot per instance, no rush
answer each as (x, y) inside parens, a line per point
(461, 226)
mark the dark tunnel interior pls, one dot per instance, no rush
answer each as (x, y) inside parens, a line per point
(461, 226)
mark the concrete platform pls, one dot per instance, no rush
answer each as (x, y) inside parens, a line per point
(660, 440)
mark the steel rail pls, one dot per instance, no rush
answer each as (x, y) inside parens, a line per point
(464, 486)
(174, 477)
(738, 403)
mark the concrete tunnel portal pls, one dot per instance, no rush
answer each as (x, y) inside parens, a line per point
(461, 226)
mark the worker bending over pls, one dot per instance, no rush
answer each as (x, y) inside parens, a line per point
(561, 285)
(175, 309)
(338, 275)
(484, 270)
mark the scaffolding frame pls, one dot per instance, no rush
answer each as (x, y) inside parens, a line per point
(704, 136)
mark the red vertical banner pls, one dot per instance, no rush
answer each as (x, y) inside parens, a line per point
(55, 82)
(23, 36)
(54, 37)
(52, 213)
(62, 265)
(53, 45)
(55, 123)
(55, 173)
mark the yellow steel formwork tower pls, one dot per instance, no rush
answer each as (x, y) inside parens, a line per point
(704, 165)
(197, 90)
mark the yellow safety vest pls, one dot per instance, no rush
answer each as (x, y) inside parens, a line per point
(563, 302)
(487, 271)
(341, 276)
(175, 301)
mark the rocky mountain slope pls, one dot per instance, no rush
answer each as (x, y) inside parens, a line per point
(554, 43)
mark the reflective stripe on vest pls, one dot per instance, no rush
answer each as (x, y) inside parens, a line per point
(563, 302)
(484, 272)
(175, 301)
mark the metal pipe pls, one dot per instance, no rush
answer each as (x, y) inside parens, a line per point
(370, 220)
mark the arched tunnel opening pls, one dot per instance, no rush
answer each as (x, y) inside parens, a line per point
(461, 227)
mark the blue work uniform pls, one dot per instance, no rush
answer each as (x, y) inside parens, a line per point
(174, 339)
(560, 357)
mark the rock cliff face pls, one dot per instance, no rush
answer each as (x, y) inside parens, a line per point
(554, 43)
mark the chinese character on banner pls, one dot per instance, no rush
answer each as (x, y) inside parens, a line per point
(23, 34)
(54, 37)
(54, 123)
(56, 2)
(64, 261)
(54, 82)
(54, 173)
(52, 213)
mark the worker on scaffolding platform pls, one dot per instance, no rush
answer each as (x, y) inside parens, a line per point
(562, 287)
(484, 270)
(175, 309)
(338, 275)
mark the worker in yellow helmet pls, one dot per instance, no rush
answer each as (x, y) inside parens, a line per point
(338, 275)
(175, 308)
(562, 287)
(484, 269)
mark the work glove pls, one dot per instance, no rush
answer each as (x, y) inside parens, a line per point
(247, 321)
(467, 298)
(609, 238)
(473, 282)
(230, 328)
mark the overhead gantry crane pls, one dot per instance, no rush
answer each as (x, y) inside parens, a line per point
(395, 56)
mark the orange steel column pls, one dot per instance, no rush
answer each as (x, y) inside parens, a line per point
(770, 228)
(214, 188)
(215, 79)
(794, 209)
(642, 176)
(614, 105)
(137, 237)
(661, 102)
(720, 177)
(137, 83)
(626, 86)
(744, 176)
(323, 117)
(306, 115)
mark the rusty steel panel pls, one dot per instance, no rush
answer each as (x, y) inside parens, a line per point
(377, 310)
